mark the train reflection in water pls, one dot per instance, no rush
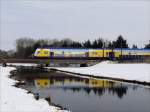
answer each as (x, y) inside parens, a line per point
(75, 84)
(82, 84)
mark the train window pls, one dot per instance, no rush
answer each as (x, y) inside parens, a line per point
(95, 82)
(38, 52)
(51, 53)
(94, 53)
(45, 83)
(45, 52)
(38, 83)
(107, 53)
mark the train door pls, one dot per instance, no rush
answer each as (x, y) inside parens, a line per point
(51, 54)
(111, 55)
(86, 54)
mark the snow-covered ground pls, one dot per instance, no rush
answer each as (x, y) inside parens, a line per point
(22, 64)
(14, 99)
(138, 72)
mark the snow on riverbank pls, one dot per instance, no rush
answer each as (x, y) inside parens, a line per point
(138, 72)
(14, 99)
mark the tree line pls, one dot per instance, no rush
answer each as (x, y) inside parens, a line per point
(25, 47)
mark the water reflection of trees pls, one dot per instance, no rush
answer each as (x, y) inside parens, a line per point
(119, 91)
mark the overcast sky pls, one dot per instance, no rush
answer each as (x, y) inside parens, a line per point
(80, 20)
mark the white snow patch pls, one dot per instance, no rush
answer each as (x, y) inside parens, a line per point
(22, 64)
(14, 99)
(138, 72)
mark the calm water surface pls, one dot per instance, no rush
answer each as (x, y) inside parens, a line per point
(86, 94)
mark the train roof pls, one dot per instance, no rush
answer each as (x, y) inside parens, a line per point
(60, 48)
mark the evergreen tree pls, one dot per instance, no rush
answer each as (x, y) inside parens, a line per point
(76, 45)
(134, 46)
(87, 44)
(100, 43)
(110, 45)
(64, 44)
(120, 43)
(95, 44)
(147, 45)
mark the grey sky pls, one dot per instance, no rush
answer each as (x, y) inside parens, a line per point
(76, 20)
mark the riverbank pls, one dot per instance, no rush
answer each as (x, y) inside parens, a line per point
(16, 99)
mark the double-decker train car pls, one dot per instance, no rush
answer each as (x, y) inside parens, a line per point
(69, 53)
(61, 53)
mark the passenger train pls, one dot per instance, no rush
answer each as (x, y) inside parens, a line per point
(73, 53)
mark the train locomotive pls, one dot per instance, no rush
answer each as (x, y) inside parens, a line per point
(73, 53)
